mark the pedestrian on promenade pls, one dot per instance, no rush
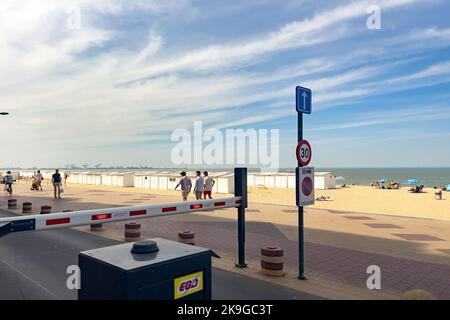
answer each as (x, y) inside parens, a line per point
(208, 185)
(56, 180)
(198, 188)
(8, 181)
(38, 177)
(66, 175)
(186, 185)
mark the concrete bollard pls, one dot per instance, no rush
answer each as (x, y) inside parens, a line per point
(12, 203)
(46, 209)
(97, 227)
(272, 261)
(187, 237)
(26, 207)
(132, 232)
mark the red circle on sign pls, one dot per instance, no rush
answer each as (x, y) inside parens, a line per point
(303, 144)
(307, 186)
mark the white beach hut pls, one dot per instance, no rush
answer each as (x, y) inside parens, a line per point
(107, 178)
(154, 180)
(324, 180)
(259, 179)
(291, 180)
(123, 179)
(225, 183)
(281, 180)
(94, 178)
(142, 180)
(74, 177)
(215, 176)
(269, 179)
(163, 180)
(172, 180)
(251, 179)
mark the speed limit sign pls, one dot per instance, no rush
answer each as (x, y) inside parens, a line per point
(304, 152)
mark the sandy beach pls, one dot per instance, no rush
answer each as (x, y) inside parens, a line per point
(368, 200)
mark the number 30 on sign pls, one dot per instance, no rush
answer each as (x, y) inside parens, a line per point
(304, 153)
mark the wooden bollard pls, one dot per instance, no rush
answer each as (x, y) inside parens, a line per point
(272, 261)
(46, 209)
(187, 237)
(12, 203)
(26, 207)
(132, 232)
(97, 227)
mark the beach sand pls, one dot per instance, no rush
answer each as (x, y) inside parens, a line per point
(367, 200)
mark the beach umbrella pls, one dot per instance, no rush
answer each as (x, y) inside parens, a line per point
(411, 182)
(340, 178)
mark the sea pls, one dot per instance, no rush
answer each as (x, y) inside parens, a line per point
(429, 177)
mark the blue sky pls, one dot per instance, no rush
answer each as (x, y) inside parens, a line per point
(113, 90)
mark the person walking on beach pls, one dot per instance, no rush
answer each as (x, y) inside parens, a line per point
(198, 188)
(8, 180)
(56, 179)
(186, 185)
(38, 177)
(208, 185)
(66, 175)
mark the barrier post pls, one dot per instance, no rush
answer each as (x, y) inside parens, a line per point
(240, 190)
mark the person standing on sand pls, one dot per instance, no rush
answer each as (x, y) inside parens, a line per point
(198, 188)
(66, 175)
(56, 179)
(38, 177)
(208, 185)
(186, 185)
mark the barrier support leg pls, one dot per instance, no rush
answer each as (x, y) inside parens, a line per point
(240, 190)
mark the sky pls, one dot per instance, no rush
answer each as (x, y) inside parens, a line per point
(108, 81)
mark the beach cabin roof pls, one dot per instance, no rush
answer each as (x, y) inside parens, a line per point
(322, 174)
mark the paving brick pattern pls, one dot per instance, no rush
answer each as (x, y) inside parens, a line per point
(339, 264)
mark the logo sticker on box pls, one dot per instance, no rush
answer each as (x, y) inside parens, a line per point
(187, 285)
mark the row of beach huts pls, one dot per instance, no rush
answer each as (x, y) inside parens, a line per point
(167, 180)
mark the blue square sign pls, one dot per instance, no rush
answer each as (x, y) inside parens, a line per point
(303, 98)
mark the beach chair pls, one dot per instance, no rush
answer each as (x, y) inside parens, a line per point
(416, 189)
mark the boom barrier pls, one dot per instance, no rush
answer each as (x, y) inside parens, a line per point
(88, 217)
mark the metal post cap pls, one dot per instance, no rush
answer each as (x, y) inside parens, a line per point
(144, 246)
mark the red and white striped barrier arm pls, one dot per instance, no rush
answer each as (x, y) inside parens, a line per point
(88, 217)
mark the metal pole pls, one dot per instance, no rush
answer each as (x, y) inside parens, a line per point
(240, 188)
(301, 249)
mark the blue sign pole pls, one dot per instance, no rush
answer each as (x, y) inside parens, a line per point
(303, 104)
(240, 190)
(301, 246)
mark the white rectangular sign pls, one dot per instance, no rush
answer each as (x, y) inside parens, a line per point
(305, 187)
